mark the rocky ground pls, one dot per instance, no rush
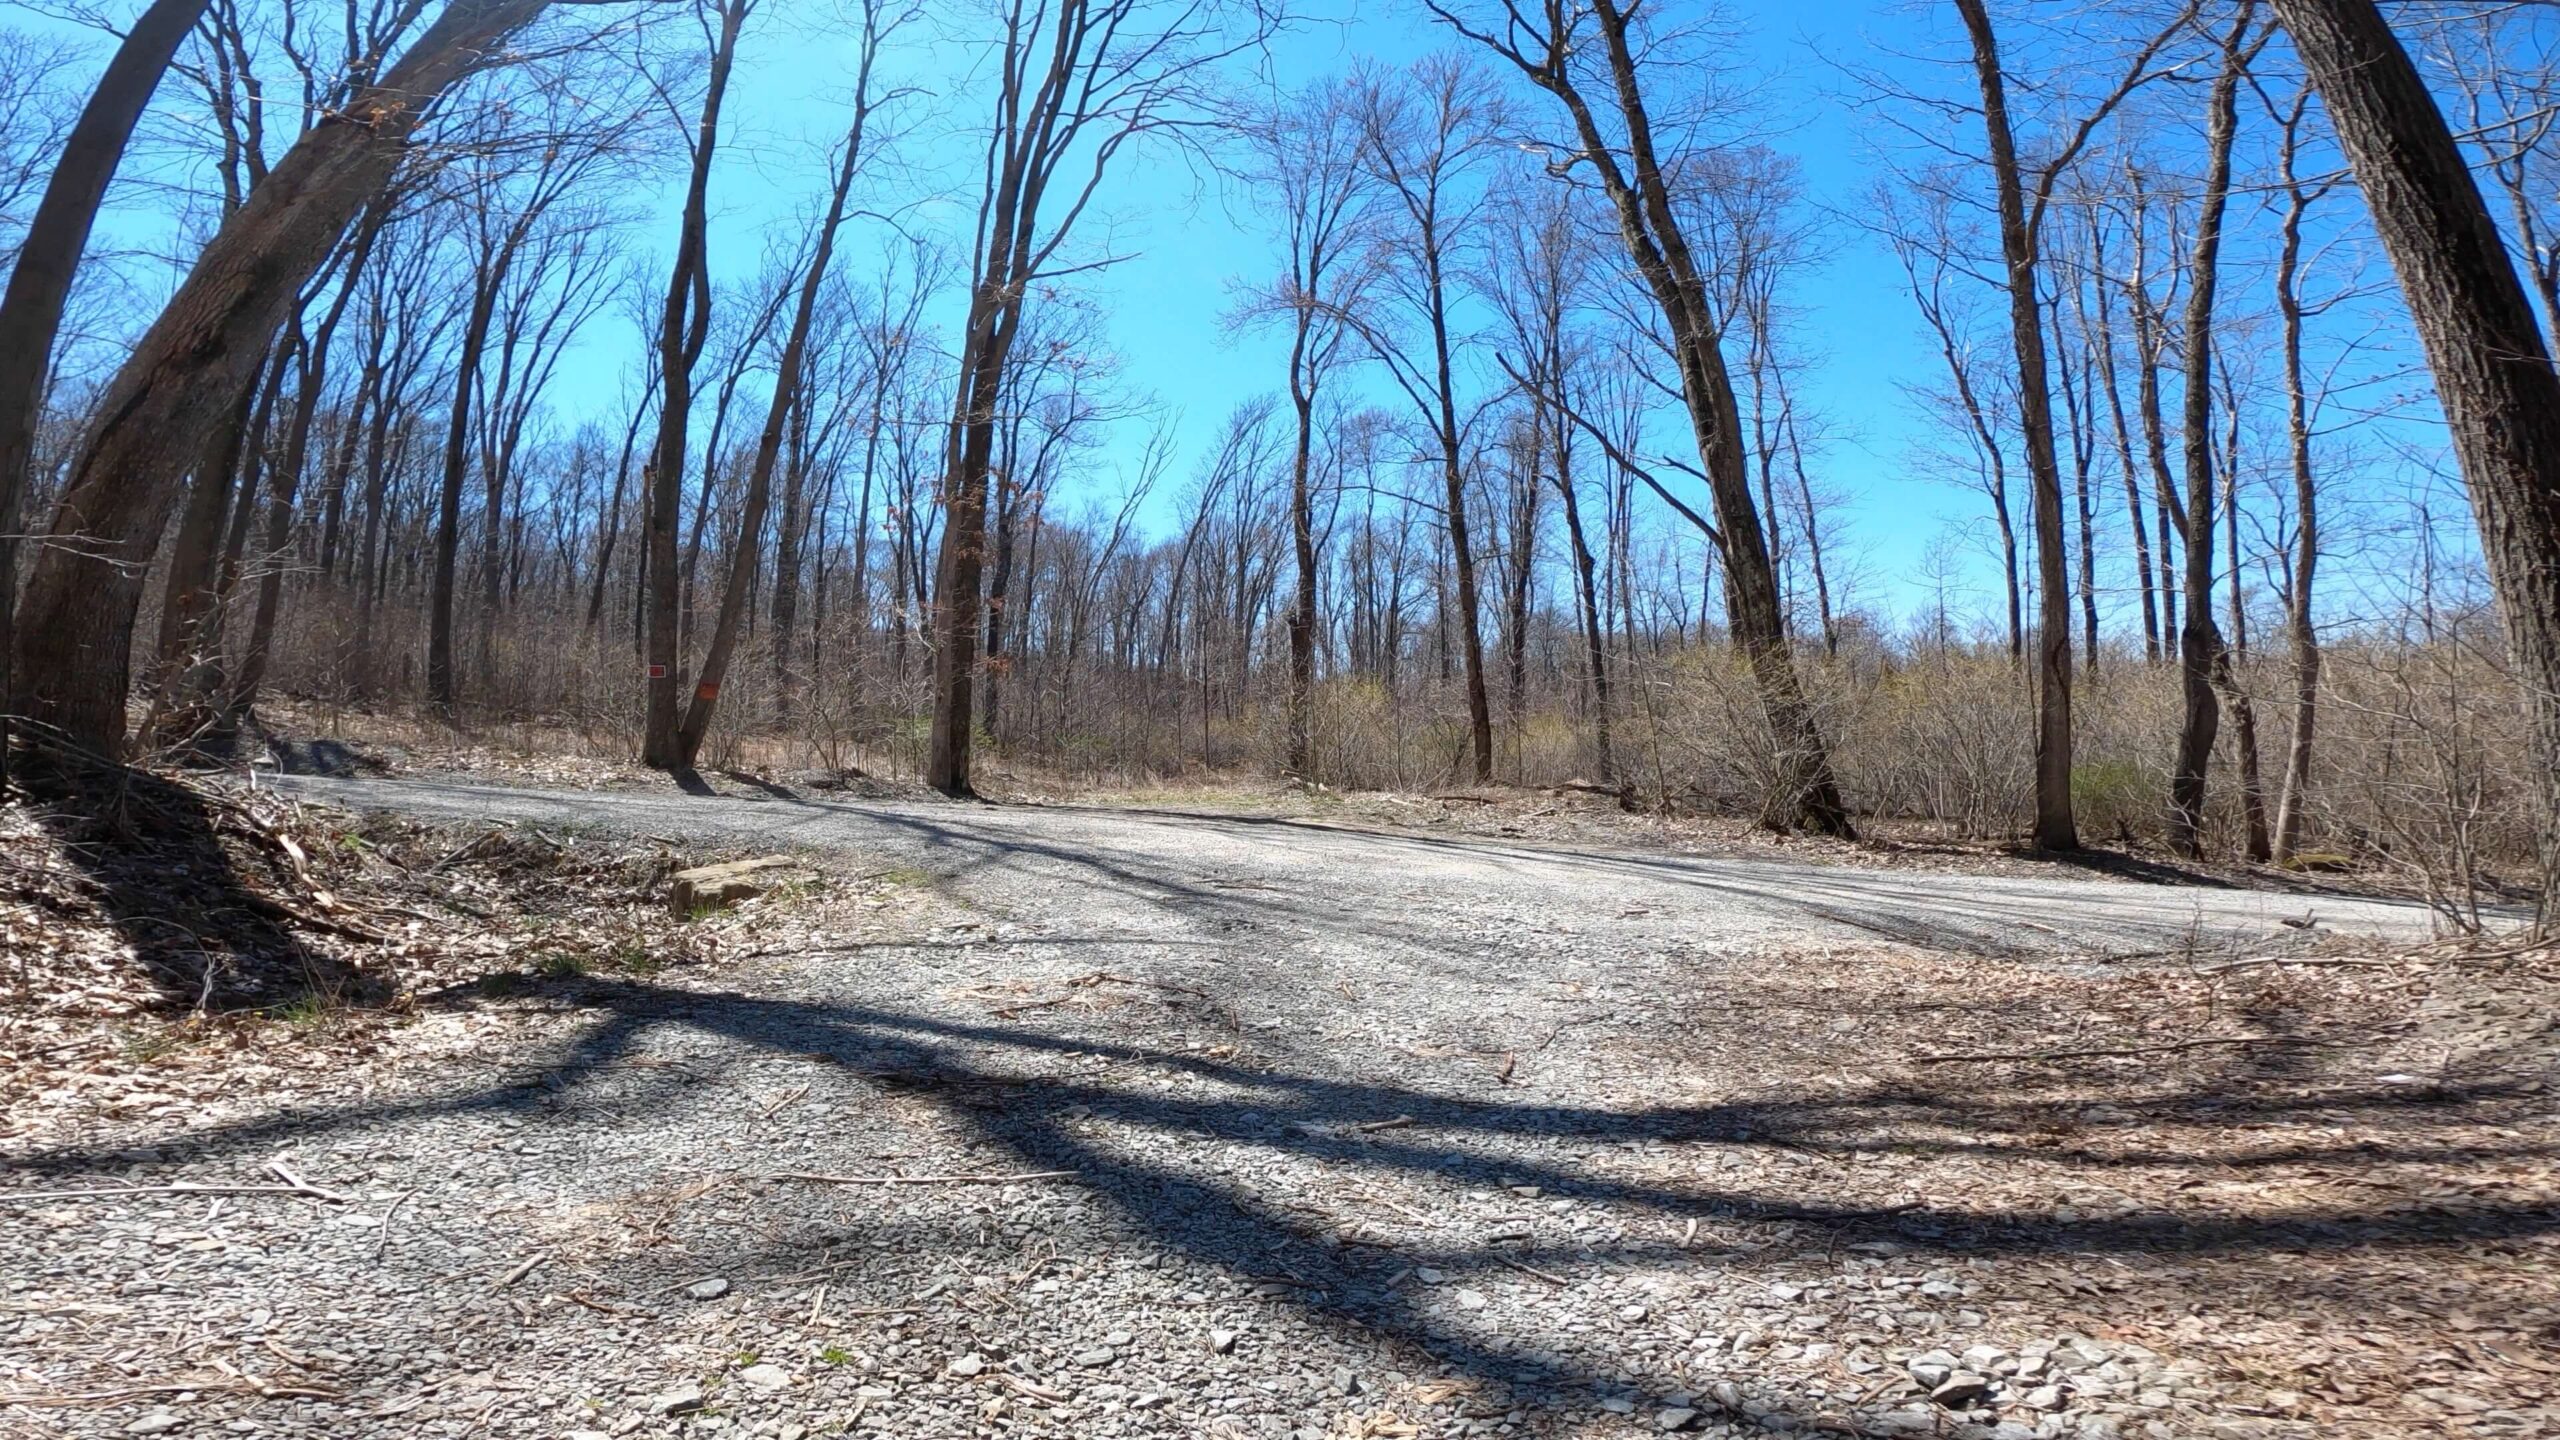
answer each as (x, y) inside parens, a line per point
(1089, 1122)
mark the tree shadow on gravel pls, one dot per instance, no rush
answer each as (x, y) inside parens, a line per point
(1050, 1102)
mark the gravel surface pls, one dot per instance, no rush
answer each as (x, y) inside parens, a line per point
(1163, 1125)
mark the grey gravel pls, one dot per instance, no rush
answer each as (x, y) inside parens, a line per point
(1271, 1055)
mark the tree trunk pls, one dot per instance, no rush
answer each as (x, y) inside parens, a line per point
(188, 593)
(1587, 595)
(1300, 760)
(369, 561)
(684, 329)
(2293, 799)
(959, 575)
(40, 281)
(2054, 829)
(786, 385)
(2492, 366)
(2200, 650)
(75, 647)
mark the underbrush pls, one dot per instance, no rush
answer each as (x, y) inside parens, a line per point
(145, 913)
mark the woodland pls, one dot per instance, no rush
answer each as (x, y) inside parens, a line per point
(2241, 317)
(1279, 720)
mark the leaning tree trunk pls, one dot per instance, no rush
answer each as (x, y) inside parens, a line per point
(2492, 364)
(75, 649)
(48, 257)
(1660, 247)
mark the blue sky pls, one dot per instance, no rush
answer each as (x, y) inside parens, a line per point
(1190, 239)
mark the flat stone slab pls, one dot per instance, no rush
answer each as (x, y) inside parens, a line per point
(713, 887)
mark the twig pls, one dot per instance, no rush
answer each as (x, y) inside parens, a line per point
(523, 1267)
(2295, 960)
(2114, 1054)
(1405, 1210)
(461, 851)
(1501, 1259)
(30, 1195)
(284, 1173)
(1372, 1126)
(923, 1179)
(382, 1240)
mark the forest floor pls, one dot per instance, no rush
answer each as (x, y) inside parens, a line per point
(1123, 1120)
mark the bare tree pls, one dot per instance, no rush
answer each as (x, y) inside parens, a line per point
(1540, 270)
(684, 329)
(2492, 364)
(2201, 653)
(1422, 132)
(40, 280)
(1309, 166)
(1547, 42)
(1079, 83)
(74, 651)
(786, 385)
(2301, 636)
(2024, 198)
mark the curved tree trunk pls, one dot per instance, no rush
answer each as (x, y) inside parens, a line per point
(48, 258)
(75, 647)
(786, 385)
(2293, 799)
(684, 328)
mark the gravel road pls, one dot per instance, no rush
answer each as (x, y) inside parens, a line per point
(1300, 881)
(1198, 1126)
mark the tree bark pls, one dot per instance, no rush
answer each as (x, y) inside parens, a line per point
(2054, 829)
(685, 327)
(786, 385)
(2200, 646)
(2294, 796)
(2492, 364)
(40, 281)
(1640, 195)
(75, 646)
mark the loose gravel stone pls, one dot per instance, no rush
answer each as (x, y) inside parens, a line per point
(1282, 1063)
